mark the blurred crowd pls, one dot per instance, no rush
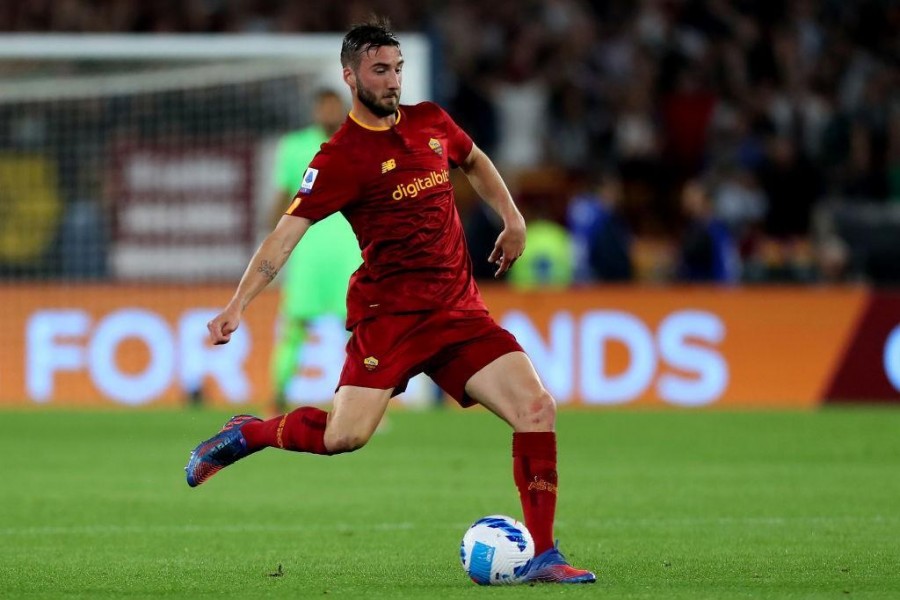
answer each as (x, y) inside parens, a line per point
(689, 140)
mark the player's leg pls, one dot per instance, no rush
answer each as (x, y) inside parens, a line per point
(356, 413)
(382, 355)
(379, 361)
(509, 387)
(490, 368)
(355, 416)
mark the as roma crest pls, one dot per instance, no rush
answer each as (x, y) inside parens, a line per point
(436, 146)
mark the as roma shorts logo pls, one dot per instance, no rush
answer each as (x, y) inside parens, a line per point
(371, 362)
(436, 146)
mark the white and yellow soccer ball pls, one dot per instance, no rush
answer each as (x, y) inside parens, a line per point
(496, 550)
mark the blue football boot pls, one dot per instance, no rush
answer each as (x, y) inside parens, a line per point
(219, 451)
(551, 566)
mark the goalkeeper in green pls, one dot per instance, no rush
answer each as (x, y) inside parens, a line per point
(314, 280)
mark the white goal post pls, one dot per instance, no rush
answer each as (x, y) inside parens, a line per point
(315, 53)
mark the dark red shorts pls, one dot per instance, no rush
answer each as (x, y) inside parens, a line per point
(448, 346)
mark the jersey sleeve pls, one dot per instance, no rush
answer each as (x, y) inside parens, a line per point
(328, 186)
(459, 144)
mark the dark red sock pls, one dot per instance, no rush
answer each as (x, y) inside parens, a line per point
(534, 471)
(302, 430)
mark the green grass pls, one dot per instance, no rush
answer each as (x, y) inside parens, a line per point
(660, 504)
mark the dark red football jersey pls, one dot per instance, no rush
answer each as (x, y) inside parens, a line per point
(393, 186)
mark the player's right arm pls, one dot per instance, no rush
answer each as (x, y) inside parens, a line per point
(262, 269)
(327, 186)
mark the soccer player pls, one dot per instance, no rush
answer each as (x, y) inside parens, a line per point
(413, 305)
(315, 278)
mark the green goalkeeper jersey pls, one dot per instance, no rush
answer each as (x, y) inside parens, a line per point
(315, 278)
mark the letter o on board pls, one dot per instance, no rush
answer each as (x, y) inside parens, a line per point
(892, 357)
(153, 331)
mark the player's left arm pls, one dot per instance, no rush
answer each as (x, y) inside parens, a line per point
(486, 181)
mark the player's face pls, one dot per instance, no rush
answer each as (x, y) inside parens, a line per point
(378, 80)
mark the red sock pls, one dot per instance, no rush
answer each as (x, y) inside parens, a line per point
(534, 471)
(302, 430)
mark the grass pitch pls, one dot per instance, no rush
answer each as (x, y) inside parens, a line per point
(660, 504)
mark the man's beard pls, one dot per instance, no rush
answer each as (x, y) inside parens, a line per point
(371, 102)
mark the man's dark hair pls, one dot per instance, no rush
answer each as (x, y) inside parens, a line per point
(365, 36)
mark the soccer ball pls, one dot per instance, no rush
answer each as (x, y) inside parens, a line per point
(496, 550)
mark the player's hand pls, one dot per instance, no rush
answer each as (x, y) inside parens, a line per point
(223, 325)
(509, 246)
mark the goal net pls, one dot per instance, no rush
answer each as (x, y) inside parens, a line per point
(144, 158)
(136, 175)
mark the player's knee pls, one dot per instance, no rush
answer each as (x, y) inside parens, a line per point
(539, 412)
(344, 441)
